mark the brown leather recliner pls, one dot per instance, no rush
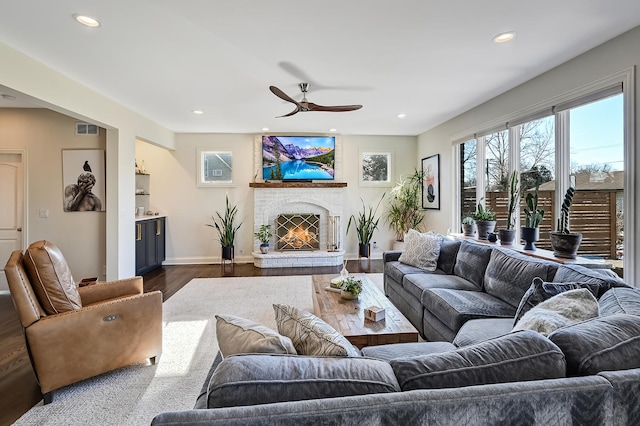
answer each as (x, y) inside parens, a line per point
(76, 333)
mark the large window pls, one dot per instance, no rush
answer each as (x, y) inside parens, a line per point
(468, 179)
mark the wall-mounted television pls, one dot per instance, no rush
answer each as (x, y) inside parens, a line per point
(298, 158)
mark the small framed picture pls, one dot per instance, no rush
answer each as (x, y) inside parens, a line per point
(375, 169)
(215, 167)
(431, 182)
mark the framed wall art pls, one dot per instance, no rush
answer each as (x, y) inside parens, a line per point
(431, 182)
(375, 169)
(215, 167)
(83, 180)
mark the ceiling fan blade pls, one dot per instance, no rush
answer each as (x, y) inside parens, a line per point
(295, 111)
(333, 108)
(279, 93)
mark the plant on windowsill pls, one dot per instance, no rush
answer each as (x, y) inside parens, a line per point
(530, 232)
(564, 242)
(508, 234)
(264, 235)
(468, 226)
(365, 224)
(404, 205)
(485, 221)
(350, 288)
(225, 225)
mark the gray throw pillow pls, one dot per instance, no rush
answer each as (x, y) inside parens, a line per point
(601, 344)
(541, 291)
(561, 310)
(242, 336)
(268, 378)
(421, 250)
(514, 357)
(620, 301)
(310, 335)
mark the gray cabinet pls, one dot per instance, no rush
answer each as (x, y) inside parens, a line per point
(150, 244)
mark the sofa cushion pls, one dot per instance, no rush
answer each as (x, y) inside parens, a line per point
(421, 250)
(511, 358)
(406, 350)
(620, 301)
(509, 275)
(448, 253)
(242, 336)
(310, 335)
(51, 278)
(472, 261)
(455, 307)
(417, 283)
(397, 270)
(251, 379)
(541, 291)
(576, 273)
(479, 330)
(561, 310)
(601, 344)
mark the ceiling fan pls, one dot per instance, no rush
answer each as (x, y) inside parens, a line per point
(304, 105)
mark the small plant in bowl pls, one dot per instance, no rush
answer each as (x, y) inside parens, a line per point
(468, 226)
(351, 287)
(263, 235)
(485, 221)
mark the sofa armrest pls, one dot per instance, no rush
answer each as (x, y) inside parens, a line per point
(110, 290)
(391, 255)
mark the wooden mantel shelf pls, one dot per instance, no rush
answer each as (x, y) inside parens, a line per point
(297, 184)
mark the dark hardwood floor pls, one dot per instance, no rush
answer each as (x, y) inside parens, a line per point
(18, 386)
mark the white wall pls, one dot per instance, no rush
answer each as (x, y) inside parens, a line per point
(44, 134)
(174, 192)
(609, 58)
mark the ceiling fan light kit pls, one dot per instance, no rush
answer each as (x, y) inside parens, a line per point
(305, 106)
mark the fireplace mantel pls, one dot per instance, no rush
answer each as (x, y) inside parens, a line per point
(297, 184)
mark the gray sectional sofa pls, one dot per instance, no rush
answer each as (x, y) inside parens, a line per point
(586, 373)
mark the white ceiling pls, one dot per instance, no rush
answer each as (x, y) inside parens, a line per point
(429, 59)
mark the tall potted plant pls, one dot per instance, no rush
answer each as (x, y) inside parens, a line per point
(564, 242)
(365, 223)
(508, 234)
(225, 225)
(485, 221)
(404, 206)
(530, 232)
(263, 235)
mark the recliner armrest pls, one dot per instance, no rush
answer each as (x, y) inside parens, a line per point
(110, 290)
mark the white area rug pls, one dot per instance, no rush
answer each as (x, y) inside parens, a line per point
(134, 395)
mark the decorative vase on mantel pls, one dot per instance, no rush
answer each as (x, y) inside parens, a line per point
(529, 236)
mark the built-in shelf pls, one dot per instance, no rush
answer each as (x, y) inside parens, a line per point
(297, 184)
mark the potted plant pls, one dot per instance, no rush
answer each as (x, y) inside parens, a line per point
(263, 235)
(365, 223)
(404, 206)
(350, 288)
(468, 226)
(530, 232)
(485, 221)
(508, 234)
(564, 242)
(225, 225)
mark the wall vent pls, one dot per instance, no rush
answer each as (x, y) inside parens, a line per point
(86, 129)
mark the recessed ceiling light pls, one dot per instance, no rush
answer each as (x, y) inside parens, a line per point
(197, 112)
(332, 130)
(504, 37)
(402, 115)
(265, 129)
(86, 20)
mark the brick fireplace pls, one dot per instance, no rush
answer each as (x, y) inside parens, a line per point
(323, 201)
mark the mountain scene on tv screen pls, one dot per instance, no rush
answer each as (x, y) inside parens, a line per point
(297, 157)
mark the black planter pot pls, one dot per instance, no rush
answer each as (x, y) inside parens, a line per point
(364, 250)
(529, 236)
(485, 227)
(565, 245)
(227, 252)
(507, 236)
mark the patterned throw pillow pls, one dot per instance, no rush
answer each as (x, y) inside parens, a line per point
(421, 250)
(310, 335)
(242, 336)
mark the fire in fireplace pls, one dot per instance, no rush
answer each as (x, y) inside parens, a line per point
(297, 232)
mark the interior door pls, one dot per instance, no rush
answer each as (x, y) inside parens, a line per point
(11, 208)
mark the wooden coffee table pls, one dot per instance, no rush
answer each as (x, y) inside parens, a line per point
(347, 316)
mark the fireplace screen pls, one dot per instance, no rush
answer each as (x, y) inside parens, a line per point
(297, 232)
